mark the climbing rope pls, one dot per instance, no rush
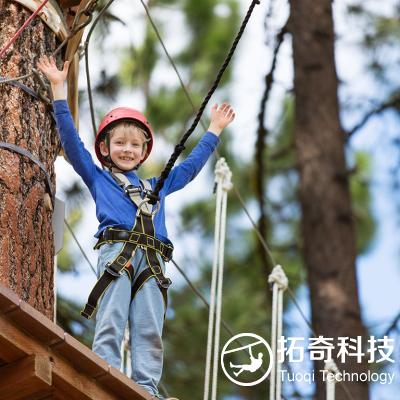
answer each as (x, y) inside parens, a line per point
(180, 146)
(279, 283)
(189, 98)
(79, 245)
(223, 181)
(126, 353)
(331, 371)
(37, 95)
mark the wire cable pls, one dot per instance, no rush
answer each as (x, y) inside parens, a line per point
(79, 245)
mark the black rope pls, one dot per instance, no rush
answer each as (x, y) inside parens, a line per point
(185, 90)
(180, 146)
(20, 85)
(26, 153)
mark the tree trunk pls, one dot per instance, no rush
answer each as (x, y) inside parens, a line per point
(26, 236)
(327, 220)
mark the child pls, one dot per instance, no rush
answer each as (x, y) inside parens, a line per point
(123, 142)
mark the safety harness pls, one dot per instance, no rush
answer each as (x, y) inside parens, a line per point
(142, 235)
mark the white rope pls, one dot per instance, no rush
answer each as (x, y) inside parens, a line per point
(273, 341)
(126, 353)
(212, 300)
(223, 180)
(279, 344)
(332, 375)
(279, 283)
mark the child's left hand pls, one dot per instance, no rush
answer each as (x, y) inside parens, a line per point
(221, 117)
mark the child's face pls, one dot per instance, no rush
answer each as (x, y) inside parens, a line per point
(127, 148)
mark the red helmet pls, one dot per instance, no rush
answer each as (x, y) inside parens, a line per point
(117, 114)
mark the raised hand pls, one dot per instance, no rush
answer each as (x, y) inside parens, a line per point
(49, 68)
(221, 117)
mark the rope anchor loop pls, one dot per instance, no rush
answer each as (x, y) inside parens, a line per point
(279, 277)
(223, 174)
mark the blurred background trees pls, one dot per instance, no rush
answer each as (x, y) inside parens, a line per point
(199, 35)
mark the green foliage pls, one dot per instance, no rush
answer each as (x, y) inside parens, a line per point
(380, 40)
(137, 64)
(69, 318)
(208, 40)
(104, 23)
(170, 110)
(360, 192)
(66, 260)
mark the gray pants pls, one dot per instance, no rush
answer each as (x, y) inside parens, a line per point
(145, 315)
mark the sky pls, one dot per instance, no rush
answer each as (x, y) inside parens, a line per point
(378, 269)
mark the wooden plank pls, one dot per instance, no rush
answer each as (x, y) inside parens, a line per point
(69, 374)
(26, 379)
(74, 42)
(72, 87)
(65, 377)
(36, 324)
(81, 357)
(77, 385)
(12, 343)
(124, 387)
(72, 56)
(8, 299)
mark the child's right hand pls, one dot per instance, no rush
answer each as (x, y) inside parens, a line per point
(49, 68)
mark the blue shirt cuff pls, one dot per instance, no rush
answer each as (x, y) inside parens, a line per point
(60, 106)
(212, 138)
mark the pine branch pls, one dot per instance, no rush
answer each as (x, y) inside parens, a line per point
(262, 133)
(392, 103)
(393, 325)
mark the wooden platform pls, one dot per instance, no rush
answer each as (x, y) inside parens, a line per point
(38, 360)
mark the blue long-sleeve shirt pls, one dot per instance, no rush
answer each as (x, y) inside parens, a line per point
(113, 207)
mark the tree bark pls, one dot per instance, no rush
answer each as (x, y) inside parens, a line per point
(327, 220)
(26, 236)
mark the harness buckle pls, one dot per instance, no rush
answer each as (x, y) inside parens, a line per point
(112, 271)
(152, 198)
(164, 283)
(150, 241)
(134, 237)
(168, 253)
(131, 189)
(88, 311)
(107, 235)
